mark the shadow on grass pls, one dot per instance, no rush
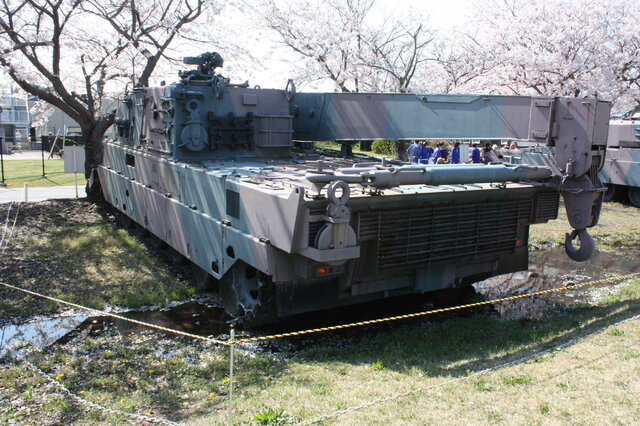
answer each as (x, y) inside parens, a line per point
(471, 343)
(81, 257)
(190, 382)
(32, 177)
(94, 269)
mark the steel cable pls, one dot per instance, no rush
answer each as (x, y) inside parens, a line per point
(6, 224)
(321, 329)
(120, 317)
(82, 401)
(436, 311)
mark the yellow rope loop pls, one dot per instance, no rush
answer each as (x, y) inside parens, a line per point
(434, 311)
(329, 328)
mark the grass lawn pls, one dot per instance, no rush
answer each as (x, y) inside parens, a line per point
(617, 229)
(19, 172)
(578, 365)
(67, 249)
(336, 147)
(592, 378)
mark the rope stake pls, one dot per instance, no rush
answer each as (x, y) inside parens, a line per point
(232, 337)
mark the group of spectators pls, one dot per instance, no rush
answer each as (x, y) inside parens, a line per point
(420, 152)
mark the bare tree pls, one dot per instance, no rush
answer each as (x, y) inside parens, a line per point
(71, 54)
(397, 52)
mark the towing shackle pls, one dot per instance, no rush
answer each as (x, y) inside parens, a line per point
(587, 246)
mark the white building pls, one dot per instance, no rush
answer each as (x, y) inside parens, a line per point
(15, 121)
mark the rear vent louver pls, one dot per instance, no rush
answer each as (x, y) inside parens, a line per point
(407, 234)
(436, 234)
(545, 207)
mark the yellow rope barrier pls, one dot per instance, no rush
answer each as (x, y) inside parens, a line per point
(330, 328)
(434, 311)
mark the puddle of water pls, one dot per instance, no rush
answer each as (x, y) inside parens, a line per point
(40, 333)
(192, 317)
(553, 269)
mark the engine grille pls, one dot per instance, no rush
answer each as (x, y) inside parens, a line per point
(433, 234)
(546, 207)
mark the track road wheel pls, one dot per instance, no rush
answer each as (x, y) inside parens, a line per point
(248, 295)
(155, 242)
(140, 231)
(452, 296)
(124, 221)
(634, 196)
(610, 193)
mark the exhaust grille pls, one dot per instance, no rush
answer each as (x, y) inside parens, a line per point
(545, 207)
(431, 234)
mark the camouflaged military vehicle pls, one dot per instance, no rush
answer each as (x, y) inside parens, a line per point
(621, 172)
(214, 170)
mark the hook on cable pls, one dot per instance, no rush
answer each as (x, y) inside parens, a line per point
(587, 246)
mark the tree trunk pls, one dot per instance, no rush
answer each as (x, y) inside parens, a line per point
(92, 134)
(400, 148)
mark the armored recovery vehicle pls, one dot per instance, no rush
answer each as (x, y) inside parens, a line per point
(621, 172)
(211, 168)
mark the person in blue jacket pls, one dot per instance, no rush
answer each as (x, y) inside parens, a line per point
(413, 151)
(455, 153)
(444, 152)
(475, 154)
(425, 153)
(437, 153)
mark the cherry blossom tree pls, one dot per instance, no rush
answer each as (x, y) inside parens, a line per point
(563, 47)
(347, 42)
(394, 55)
(75, 54)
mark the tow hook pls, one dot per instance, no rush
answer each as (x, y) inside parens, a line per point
(587, 245)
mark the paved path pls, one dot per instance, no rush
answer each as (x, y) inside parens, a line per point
(26, 155)
(37, 193)
(41, 193)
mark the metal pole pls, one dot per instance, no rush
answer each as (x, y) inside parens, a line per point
(42, 154)
(231, 340)
(2, 154)
(26, 192)
(75, 169)
(53, 144)
(2, 160)
(64, 138)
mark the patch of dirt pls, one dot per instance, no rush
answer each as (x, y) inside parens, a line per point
(37, 217)
(34, 219)
(552, 269)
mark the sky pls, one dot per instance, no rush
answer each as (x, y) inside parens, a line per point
(444, 13)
